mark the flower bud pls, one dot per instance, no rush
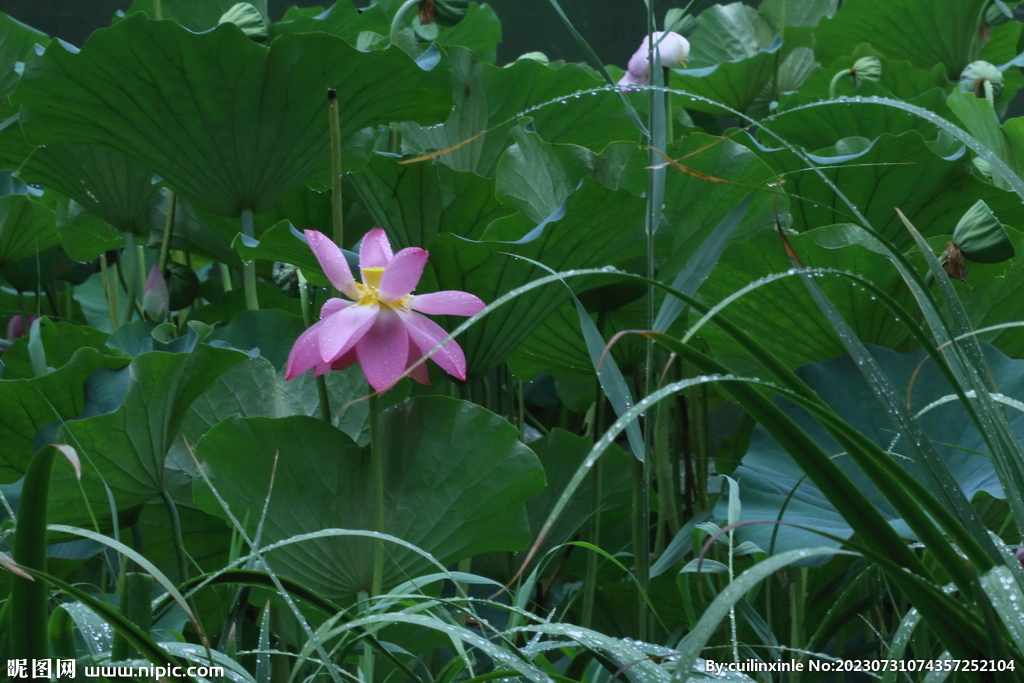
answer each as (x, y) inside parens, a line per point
(864, 69)
(867, 69)
(17, 325)
(672, 48)
(248, 18)
(155, 299)
(1020, 554)
(975, 77)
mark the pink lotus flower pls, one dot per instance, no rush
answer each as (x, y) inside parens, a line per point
(381, 326)
(672, 49)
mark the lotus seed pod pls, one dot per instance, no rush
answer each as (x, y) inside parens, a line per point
(997, 13)
(977, 74)
(248, 18)
(981, 237)
(444, 12)
(867, 69)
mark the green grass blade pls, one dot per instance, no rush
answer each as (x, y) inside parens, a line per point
(122, 625)
(691, 646)
(29, 603)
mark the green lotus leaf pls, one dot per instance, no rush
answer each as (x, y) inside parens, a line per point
(879, 176)
(736, 56)
(83, 234)
(248, 18)
(16, 42)
(981, 236)
(105, 181)
(479, 30)
(284, 243)
(822, 127)
(456, 480)
(232, 125)
(342, 19)
(600, 227)
(256, 389)
(535, 177)
(124, 442)
(491, 98)
(27, 227)
(767, 474)
(195, 15)
(781, 314)
(416, 202)
(992, 296)
(29, 405)
(446, 12)
(806, 13)
(926, 32)
(60, 340)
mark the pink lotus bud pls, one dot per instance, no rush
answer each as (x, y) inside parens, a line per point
(673, 50)
(155, 299)
(17, 325)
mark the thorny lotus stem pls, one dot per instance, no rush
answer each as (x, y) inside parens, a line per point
(337, 215)
(307, 319)
(165, 243)
(249, 269)
(396, 23)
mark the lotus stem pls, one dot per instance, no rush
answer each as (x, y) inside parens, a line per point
(165, 243)
(128, 271)
(396, 23)
(109, 290)
(307, 319)
(377, 473)
(337, 214)
(225, 278)
(249, 269)
(835, 82)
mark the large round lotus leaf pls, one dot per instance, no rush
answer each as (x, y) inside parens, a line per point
(107, 182)
(130, 420)
(229, 124)
(16, 41)
(195, 15)
(456, 482)
(26, 228)
(768, 474)
(925, 32)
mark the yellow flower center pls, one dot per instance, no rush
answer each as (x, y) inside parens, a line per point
(369, 291)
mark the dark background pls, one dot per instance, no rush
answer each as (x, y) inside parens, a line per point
(613, 28)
